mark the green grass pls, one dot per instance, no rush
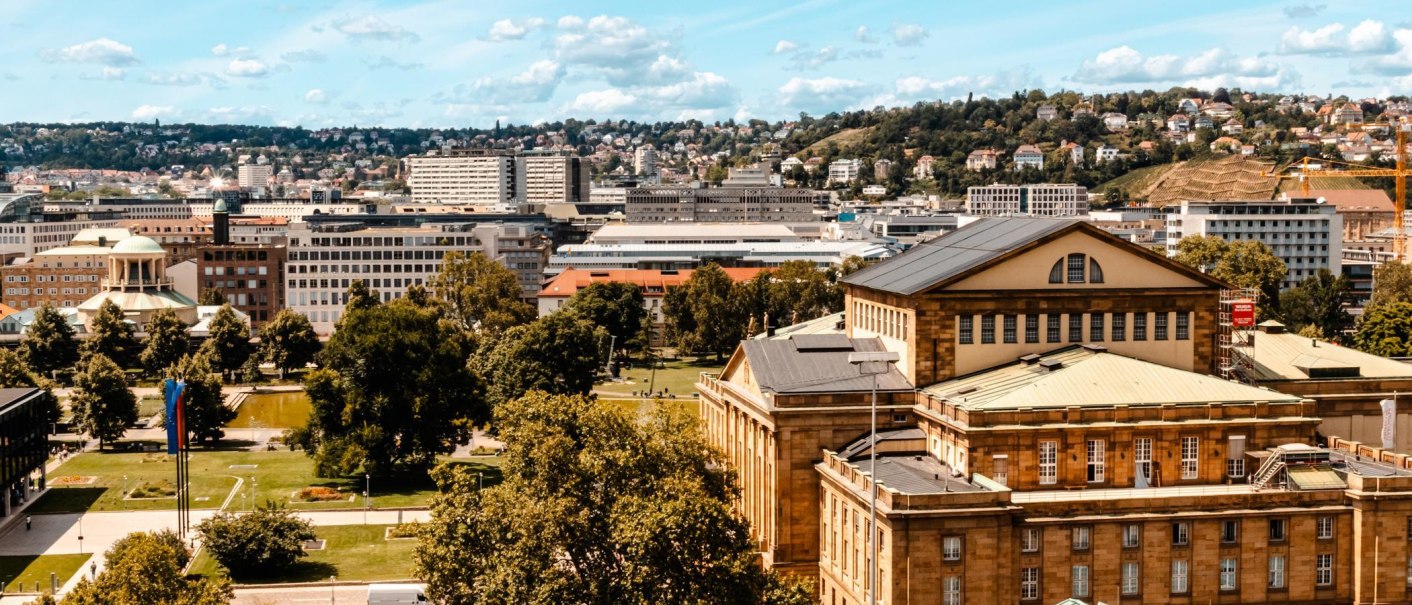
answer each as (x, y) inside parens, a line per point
(149, 406)
(643, 407)
(351, 552)
(28, 569)
(678, 377)
(273, 410)
(278, 475)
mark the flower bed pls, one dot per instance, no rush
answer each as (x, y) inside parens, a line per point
(317, 494)
(405, 531)
(158, 489)
(73, 480)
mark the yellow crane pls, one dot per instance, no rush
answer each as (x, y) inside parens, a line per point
(1314, 168)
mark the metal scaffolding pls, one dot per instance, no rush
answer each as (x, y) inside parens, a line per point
(1235, 340)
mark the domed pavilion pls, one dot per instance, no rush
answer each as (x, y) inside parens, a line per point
(137, 282)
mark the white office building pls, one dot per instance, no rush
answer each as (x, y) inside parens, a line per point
(1048, 200)
(1305, 234)
(252, 176)
(554, 179)
(478, 176)
(694, 255)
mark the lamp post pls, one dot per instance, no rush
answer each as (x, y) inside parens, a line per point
(80, 534)
(254, 488)
(367, 495)
(873, 363)
(330, 589)
(125, 492)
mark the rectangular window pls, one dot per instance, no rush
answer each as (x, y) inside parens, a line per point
(951, 548)
(1095, 327)
(1095, 460)
(1277, 571)
(1142, 457)
(1324, 528)
(964, 329)
(1159, 329)
(1031, 328)
(1081, 536)
(951, 591)
(1000, 469)
(1230, 531)
(1139, 326)
(1132, 575)
(1029, 539)
(1076, 327)
(1235, 456)
(1048, 462)
(1080, 576)
(1132, 535)
(1183, 325)
(1277, 530)
(1009, 329)
(1029, 583)
(1190, 453)
(1120, 327)
(1181, 533)
(1228, 574)
(1179, 575)
(1323, 570)
(987, 329)
(1052, 328)
(1076, 268)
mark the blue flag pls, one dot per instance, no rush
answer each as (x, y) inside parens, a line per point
(172, 390)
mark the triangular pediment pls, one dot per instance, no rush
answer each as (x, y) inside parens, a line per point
(1108, 263)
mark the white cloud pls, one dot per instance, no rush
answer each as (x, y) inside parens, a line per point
(821, 94)
(150, 112)
(535, 85)
(112, 73)
(1298, 11)
(1368, 37)
(307, 55)
(1123, 65)
(908, 34)
(570, 22)
(1397, 63)
(247, 68)
(785, 46)
(620, 47)
(916, 88)
(506, 29)
(667, 69)
(222, 50)
(372, 27)
(316, 96)
(161, 78)
(863, 35)
(817, 59)
(609, 101)
(246, 114)
(705, 90)
(102, 51)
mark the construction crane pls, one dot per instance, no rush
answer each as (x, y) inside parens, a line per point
(1314, 168)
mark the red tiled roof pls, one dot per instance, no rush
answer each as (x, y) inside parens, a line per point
(1375, 200)
(653, 281)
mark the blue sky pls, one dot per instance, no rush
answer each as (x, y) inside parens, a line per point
(468, 63)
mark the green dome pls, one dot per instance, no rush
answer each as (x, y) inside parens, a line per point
(220, 206)
(138, 244)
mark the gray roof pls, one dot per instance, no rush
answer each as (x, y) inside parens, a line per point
(918, 474)
(976, 244)
(12, 396)
(816, 363)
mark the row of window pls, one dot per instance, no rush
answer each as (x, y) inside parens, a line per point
(878, 319)
(1081, 535)
(1131, 579)
(40, 291)
(1099, 328)
(50, 278)
(1096, 460)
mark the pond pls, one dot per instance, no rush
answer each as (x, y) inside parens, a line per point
(272, 410)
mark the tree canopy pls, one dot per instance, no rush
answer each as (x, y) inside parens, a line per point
(256, 544)
(16, 374)
(228, 344)
(288, 341)
(206, 413)
(1386, 330)
(49, 345)
(102, 404)
(1318, 302)
(480, 293)
(110, 335)
(167, 341)
(699, 313)
(1392, 282)
(594, 509)
(394, 391)
(1200, 252)
(146, 568)
(558, 353)
(615, 306)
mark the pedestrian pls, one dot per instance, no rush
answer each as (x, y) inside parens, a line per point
(93, 570)
(28, 522)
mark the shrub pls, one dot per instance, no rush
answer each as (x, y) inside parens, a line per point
(256, 544)
(159, 489)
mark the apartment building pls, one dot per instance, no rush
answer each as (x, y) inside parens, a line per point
(1028, 156)
(463, 175)
(249, 276)
(325, 260)
(254, 176)
(555, 179)
(725, 204)
(129, 208)
(644, 160)
(843, 172)
(59, 277)
(26, 228)
(1304, 233)
(1046, 200)
(681, 256)
(1050, 432)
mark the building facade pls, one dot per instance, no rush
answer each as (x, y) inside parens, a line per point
(58, 277)
(463, 175)
(1304, 233)
(180, 237)
(24, 445)
(249, 276)
(726, 204)
(1034, 200)
(555, 179)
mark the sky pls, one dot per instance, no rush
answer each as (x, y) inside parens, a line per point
(446, 63)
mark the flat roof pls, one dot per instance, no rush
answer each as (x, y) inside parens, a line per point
(694, 231)
(1087, 376)
(918, 474)
(1280, 357)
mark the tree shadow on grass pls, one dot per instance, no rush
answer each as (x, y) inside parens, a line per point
(66, 500)
(301, 571)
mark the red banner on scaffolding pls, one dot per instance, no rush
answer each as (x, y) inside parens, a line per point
(1243, 314)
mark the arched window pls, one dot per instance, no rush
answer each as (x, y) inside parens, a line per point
(1076, 268)
(1095, 272)
(1056, 274)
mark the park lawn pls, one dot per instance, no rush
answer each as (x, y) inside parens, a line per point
(678, 377)
(643, 407)
(150, 406)
(28, 569)
(278, 475)
(351, 552)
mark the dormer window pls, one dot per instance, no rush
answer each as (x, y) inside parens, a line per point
(1071, 269)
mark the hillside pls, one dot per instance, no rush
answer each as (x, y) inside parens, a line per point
(841, 140)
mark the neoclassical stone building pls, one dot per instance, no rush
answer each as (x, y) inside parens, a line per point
(1052, 430)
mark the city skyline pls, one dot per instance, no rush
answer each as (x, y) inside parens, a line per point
(448, 64)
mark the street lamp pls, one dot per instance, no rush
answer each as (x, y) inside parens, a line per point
(125, 492)
(80, 534)
(873, 363)
(254, 488)
(367, 495)
(330, 589)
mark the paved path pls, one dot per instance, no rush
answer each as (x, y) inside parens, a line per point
(310, 595)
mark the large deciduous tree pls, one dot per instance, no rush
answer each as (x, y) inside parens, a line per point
(167, 342)
(394, 391)
(1386, 330)
(206, 412)
(103, 406)
(616, 307)
(800, 291)
(595, 509)
(110, 335)
(49, 345)
(479, 293)
(1318, 302)
(699, 314)
(288, 341)
(1392, 282)
(146, 568)
(1200, 252)
(558, 353)
(228, 344)
(256, 544)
